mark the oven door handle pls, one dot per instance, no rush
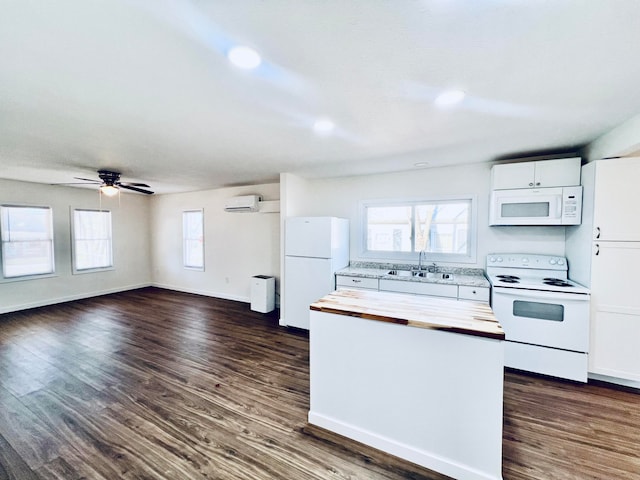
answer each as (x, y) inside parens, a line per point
(541, 295)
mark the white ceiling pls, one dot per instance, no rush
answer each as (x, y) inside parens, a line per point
(144, 87)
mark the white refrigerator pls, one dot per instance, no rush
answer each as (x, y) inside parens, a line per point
(315, 248)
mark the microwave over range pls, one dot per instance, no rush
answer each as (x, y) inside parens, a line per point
(536, 206)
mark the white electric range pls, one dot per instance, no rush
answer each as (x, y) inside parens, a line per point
(544, 315)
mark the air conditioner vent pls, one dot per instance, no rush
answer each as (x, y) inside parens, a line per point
(244, 203)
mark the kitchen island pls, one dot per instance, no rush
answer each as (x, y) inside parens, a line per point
(418, 377)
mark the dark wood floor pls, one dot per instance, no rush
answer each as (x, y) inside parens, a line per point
(153, 384)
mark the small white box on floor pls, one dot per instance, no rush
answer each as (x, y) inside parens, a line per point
(263, 293)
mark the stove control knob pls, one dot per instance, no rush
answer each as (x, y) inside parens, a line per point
(525, 260)
(499, 259)
(552, 261)
(492, 259)
(560, 261)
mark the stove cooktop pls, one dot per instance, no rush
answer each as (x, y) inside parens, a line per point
(531, 272)
(529, 282)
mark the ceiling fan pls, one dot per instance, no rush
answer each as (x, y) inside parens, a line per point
(110, 183)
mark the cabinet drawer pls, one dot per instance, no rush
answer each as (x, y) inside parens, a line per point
(419, 288)
(356, 282)
(480, 294)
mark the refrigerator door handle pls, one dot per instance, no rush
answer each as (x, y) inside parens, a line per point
(597, 252)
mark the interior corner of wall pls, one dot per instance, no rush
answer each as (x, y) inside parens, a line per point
(622, 141)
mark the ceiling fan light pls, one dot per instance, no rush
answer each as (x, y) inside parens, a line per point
(109, 190)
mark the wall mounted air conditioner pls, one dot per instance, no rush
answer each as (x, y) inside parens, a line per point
(244, 203)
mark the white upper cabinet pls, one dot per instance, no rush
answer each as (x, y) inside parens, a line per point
(564, 172)
(617, 197)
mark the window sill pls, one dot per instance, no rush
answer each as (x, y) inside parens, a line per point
(26, 278)
(93, 270)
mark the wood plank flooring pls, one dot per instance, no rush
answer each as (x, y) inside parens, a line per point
(154, 384)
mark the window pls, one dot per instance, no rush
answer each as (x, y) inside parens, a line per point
(443, 228)
(92, 241)
(193, 239)
(27, 241)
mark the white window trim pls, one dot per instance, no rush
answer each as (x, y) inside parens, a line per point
(184, 262)
(34, 276)
(412, 257)
(82, 271)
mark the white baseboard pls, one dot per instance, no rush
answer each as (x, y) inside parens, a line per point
(401, 450)
(618, 381)
(70, 298)
(206, 293)
(97, 293)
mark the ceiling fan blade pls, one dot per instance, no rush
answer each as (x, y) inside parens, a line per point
(131, 184)
(88, 180)
(135, 189)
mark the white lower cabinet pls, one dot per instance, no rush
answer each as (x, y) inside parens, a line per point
(359, 283)
(419, 288)
(479, 294)
(461, 292)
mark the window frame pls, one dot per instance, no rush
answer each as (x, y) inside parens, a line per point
(29, 276)
(412, 257)
(74, 248)
(185, 239)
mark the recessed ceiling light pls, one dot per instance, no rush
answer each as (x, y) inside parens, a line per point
(244, 57)
(421, 164)
(449, 98)
(323, 126)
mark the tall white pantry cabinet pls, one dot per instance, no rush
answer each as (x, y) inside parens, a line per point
(604, 254)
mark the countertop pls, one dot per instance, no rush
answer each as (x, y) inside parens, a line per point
(434, 313)
(461, 276)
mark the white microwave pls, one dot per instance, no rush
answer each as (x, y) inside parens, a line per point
(536, 206)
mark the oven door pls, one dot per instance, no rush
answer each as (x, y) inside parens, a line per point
(550, 319)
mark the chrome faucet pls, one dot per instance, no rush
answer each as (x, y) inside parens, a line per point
(420, 255)
(433, 268)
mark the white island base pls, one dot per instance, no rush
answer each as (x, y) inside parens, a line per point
(429, 396)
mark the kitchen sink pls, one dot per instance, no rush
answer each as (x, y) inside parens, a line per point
(440, 276)
(400, 273)
(421, 274)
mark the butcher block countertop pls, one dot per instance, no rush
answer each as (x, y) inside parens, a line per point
(470, 318)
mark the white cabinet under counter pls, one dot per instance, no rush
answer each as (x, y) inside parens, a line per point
(419, 288)
(479, 294)
(363, 283)
(461, 284)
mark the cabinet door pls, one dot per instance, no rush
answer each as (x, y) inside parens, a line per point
(563, 172)
(419, 288)
(479, 294)
(512, 175)
(356, 282)
(617, 196)
(615, 310)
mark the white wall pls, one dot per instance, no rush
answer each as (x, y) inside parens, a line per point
(237, 245)
(130, 246)
(341, 197)
(148, 231)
